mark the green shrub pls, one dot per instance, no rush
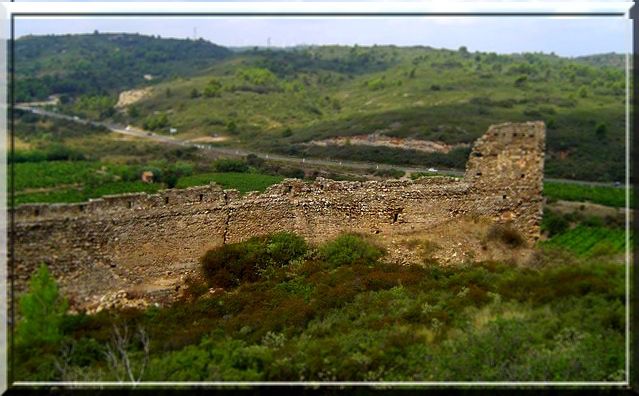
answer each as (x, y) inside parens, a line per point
(294, 173)
(390, 173)
(376, 84)
(531, 112)
(155, 122)
(601, 131)
(582, 92)
(133, 112)
(255, 161)
(230, 165)
(42, 309)
(350, 249)
(284, 247)
(229, 265)
(231, 127)
(211, 92)
(554, 224)
(257, 76)
(287, 133)
(213, 89)
(521, 81)
(56, 152)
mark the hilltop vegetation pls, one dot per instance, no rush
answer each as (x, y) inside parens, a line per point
(284, 100)
(102, 64)
(610, 59)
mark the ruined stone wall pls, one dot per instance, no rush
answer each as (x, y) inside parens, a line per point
(145, 244)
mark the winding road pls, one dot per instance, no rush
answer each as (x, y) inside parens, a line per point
(236, 152)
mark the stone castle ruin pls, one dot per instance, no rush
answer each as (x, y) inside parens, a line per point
(144, 244)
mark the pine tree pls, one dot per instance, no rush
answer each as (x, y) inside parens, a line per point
(42, 309)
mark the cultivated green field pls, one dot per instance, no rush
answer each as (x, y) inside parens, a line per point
(32, 175)
(608, 196)
(590, 241)
(82, 194)
(68, 181)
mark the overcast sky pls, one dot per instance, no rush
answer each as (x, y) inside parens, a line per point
(564, 36)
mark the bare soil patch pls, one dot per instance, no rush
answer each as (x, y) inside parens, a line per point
(379, 140)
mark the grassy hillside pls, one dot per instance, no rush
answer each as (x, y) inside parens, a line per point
(281, 100)
(277, 101)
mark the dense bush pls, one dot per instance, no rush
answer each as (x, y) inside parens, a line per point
(232, 264)
(294, 173)
(255, 161)
(350, 249)
(284, 247)
(554, 223)
(390, 173)
(455, 159)
(175, 171)
(230, 165)
(229, 265)
(56, 152)
(155, 122)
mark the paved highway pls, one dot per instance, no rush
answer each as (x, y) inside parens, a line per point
(236, 152)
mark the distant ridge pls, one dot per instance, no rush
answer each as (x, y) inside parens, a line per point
(610, 59)
(104, 63)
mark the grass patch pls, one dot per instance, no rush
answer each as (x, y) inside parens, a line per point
(51, 173)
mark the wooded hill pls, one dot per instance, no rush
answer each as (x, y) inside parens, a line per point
(280, 100)
(101, 64)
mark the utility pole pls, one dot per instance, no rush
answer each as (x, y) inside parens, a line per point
(268, 42)
(194, 33)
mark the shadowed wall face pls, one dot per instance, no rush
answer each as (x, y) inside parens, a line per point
(146, 244)
(506, 169)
